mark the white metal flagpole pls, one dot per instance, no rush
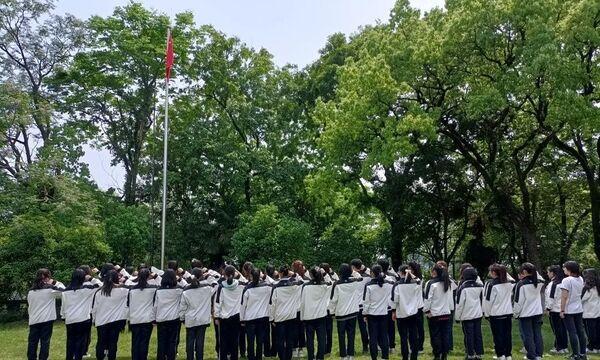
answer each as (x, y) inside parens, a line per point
(165, 152)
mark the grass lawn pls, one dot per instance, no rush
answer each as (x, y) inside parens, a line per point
(13, 343)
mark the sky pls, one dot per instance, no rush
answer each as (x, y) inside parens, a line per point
(292, 30)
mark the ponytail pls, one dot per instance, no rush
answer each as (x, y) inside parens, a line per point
(197, 275)
(316, 275)
(377, 271)
(441, 273)
(229, 273)
(142, 278)
(255, 276)
(109, 281)
(529, 268)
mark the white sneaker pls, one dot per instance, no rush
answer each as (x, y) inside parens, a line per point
(300, 353)
(295, 353)
(508, 357)
(87, 356)
(523, 350)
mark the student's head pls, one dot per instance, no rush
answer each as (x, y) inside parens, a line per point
(298, 267)
(196, 263)
(106, 267)
(142, 278)
(229, 273)
(377, 274)
(555, 273)
(385, 264)
(462, 268)
(284, 271)
(326, 267)
(404, 273)
(42, 278)
(77, 279)
(442, 263)
(316, 274)
(440, 273)
(173, 265)
(246, 268)
(86, 269)
(169, 279)
(109, 281)
(469, 274)
(356, 264)
(529, 270)
(345, 271)
(498, 271)
(197, 276)
(254, 276)
(591, 279)
(270, 270)
(415, 269)
(572, 268)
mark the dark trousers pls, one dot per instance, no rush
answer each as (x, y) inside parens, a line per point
(592, 329)
(421, 329)
(255, 332)
(108, 339)
(301, 339)
(194, 342)
(502, 335)
(531, 333)
(140, 340)
(439, 333)
(560, 331)
(391, 331)
(473, 337)
(229, 335)
(166, 338)
(364, 332)
(574, 325)
(346, 329)
(217, 340)
(409, 336)
(269, 346)
(39, 334)
(451, 332)
(318, 327)
(328, 334)
(77, 335)
(242, 341)
(286, 334)
(378, 335)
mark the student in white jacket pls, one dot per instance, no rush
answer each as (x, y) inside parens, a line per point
(415, 271)
(76, 308)
(227, 313)
(313, 312)
(141, 313)
(166, 305)
(497, 306)
(109, 312)
(391, 277)
(41, 301)
(330, 277)
(552, 296)
(528, 309)
(345, 306)
(362, 273)
(437, 309)
(285, 304)
(591, 309)
(195, 311)
(376, 302)
(571, 308)
(254, 313)
(407, 296)
(469, 313)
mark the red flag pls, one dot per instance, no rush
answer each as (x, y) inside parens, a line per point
(169, 57)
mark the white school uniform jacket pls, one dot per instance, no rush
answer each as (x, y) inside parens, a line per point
(285, 299)
(343, 302)
(436, 298)
(141, 304)
(468, 301)
(376, 299)
(527, 299)
(591, 303)
(314, 300)
(42, 303)
(552, 296)
(196, 304)
(166, 303)
(255, 301)
(108, 309)
(364, 279)
(497, 299)
(407, 297)
(228, 299)
(76, 305)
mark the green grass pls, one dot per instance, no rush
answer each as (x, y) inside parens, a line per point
(13, 343)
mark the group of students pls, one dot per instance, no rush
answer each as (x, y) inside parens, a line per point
(281, 312)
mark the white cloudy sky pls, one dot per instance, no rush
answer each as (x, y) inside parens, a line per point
(292, 30)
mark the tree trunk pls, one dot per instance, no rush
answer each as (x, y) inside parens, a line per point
(397, 235)
(130, 185)
(595, 199)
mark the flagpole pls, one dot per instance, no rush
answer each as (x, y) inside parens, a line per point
(165, 152)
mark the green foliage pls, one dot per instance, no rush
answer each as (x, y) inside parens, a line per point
(128, 232)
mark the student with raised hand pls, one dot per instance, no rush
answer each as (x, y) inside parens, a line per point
(552, 297)
(330, 277)
(498, 307)
(571, 308)
(415, 271)
(344, 304)
(76, 308)
(313, 311)
(227, 313)
(528, 309)
(376, 301)
(166, 307)
(407, 296)
(437, 310)
(469, 312)
(362, 273)
(41, 301)
(195, 310)
(254, 313)
(590, 300)
(109, 313)
(141, 313)
(285, 304)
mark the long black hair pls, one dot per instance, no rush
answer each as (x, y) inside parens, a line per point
(591, 280)
(41, 276)
(377, 273)
(573, 267)
(345, 271)
(316, 275)
(558, 273)
(469, 274)
(255, 274)
(408, 277)
(169, 279)
(197, 276)
(142, 278)
(531, 272)
(109, 281)
(229, 273)
(77, 279)
(415, 268)
(441, 274)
